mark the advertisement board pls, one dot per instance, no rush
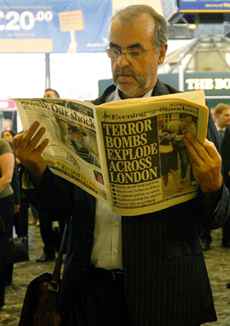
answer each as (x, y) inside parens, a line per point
(206, 6)
(47, 26)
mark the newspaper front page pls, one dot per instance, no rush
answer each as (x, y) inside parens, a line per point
(130, 152)
(144, 157)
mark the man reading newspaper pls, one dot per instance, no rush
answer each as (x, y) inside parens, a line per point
(145, 270)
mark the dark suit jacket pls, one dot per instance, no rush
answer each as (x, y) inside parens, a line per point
(165, 275)
(225, 153)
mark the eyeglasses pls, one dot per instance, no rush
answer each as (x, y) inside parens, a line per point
(131, 53)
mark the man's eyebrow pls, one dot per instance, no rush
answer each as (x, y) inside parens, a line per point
(134, 46)
(113, 45)
(131, 46)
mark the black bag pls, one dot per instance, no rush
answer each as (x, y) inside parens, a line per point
(40, 306)
(18, 250)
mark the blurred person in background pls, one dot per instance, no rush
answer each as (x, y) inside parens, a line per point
(8, 135)
(7, 210)
(51, 93)
(222, 121)
(221, 116)
(50, 236)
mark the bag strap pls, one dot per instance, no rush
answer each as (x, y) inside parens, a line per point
(2, 225)
(56, 275)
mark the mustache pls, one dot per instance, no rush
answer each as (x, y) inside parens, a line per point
(124, 72)
(129, 73)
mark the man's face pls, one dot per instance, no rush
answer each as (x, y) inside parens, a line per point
(135, 74)
(223, 120)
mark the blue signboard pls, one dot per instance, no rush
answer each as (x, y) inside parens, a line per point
(54, 25)
(204, 5)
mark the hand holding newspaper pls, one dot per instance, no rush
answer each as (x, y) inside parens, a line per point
(129, 152)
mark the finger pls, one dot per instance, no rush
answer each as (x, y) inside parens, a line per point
(21, 141)
(197, 152)
(211, 149)
(16, 143)
(36, 139)
(29, 133)
(192, 153)
(42, 146)
(206, 150)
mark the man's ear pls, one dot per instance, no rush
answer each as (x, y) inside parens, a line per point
(163, 50)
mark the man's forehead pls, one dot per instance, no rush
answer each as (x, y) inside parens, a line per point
(142, 22)
(126, 33)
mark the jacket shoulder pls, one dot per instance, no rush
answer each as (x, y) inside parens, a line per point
(164, 89)
(160, 89)
(101, 99)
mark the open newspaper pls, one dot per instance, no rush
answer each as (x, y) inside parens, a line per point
(129, 152)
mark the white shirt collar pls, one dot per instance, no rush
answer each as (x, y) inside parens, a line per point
(116, 97)
(220, 129)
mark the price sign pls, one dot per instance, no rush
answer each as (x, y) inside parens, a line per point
(23, 21)
(37, 26)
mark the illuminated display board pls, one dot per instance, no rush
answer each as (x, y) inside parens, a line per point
(203, 6)
(54, 25)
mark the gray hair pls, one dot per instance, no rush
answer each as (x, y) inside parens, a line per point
(160, 31)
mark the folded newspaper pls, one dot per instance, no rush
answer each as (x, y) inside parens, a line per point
(129, 152)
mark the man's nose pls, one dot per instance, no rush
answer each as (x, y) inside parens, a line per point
(123, 60)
